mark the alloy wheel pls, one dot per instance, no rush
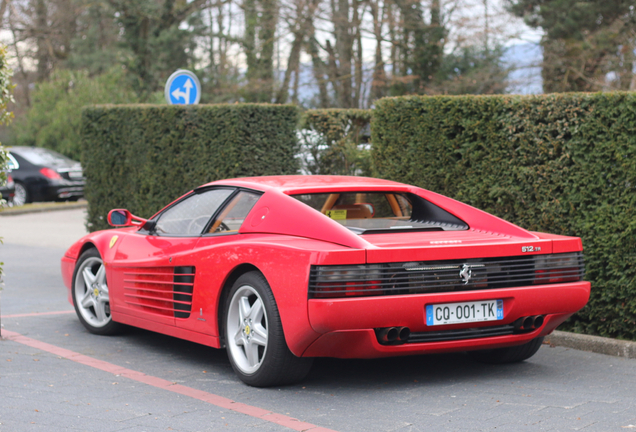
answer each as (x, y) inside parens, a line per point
(21, 195)
(91, 292)
(247, 329)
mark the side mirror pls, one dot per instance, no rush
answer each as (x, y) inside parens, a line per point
(123, 218)
(119, 218)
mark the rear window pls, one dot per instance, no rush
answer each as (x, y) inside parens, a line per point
(379, 212)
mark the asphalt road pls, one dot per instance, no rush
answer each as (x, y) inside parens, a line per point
(55, 376)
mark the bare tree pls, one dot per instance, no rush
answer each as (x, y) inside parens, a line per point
(251, 50)
(261, 20)
(299, 22)
(47, 27)
(378, 11)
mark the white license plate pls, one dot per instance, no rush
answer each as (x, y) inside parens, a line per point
(465, 312)
(75, 174)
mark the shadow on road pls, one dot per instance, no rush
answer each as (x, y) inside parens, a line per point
(329, 373)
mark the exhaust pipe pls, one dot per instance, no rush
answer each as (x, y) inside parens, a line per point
(529, 323)
(538, 321)
(403, 334)
(393, 335)
(388, 334)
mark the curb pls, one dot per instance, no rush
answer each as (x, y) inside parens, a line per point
(21, 211)
(595, 344)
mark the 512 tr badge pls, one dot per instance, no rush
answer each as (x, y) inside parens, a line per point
(530, 248)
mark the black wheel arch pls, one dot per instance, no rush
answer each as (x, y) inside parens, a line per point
(86, 246)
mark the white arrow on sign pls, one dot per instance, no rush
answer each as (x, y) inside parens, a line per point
(185, 95)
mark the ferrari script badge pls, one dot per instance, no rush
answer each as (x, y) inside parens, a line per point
(113, 240)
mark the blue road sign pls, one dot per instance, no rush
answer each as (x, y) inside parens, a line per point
(183, 88)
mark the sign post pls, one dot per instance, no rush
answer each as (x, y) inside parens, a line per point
(183, 88)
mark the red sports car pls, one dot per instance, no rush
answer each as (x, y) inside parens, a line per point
(279, 270)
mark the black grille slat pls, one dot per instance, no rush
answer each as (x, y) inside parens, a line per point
(470, 333)
(443, 276)
(183, 286)
(364, 272)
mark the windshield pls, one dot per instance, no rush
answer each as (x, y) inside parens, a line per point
(377, 212)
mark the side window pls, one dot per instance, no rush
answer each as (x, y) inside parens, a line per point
(191, 215)
(233, 215)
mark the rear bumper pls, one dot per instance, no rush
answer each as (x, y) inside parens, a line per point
(56, 190)
(347, 325)
(70, 192)
(66, 191)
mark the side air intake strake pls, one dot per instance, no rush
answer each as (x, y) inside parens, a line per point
(420, 277)
(165, 291)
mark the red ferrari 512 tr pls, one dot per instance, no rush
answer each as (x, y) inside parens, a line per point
(279, 270)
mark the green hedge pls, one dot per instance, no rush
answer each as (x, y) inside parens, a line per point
(563, 164)
(141, 157)
(335, 141)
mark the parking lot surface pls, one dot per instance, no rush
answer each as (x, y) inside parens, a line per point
(54, 375)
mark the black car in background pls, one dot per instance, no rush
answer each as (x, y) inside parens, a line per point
(44, 175)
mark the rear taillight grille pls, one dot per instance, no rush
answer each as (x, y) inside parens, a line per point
(444, 276)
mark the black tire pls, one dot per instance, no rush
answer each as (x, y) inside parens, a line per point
(512, 354)
(90, 298)
(245, 330)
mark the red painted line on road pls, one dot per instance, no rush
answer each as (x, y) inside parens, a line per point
(37, 314)
(201, 395)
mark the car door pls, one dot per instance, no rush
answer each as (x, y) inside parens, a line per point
(153, 272)
(217, 252)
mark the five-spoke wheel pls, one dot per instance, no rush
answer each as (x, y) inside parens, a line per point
(247, 329)
(90, 294)
(254, 336)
